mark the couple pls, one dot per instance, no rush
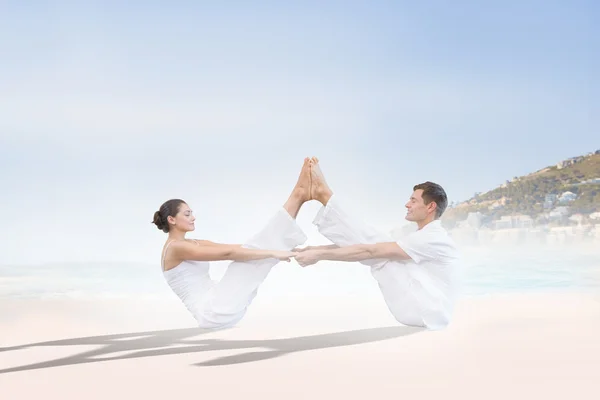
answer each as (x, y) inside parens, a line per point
(417, 274)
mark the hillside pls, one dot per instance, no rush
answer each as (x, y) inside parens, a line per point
(529, 194)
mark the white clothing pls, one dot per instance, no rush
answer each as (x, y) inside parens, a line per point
(418, 292)
(222, 304)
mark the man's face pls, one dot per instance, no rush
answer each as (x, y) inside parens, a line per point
(417, 210)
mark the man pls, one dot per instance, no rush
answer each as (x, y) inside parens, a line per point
(417, 274)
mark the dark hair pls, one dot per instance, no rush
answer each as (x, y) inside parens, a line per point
(170, 208)
(434, 192)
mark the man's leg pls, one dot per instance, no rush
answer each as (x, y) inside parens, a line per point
(336, 224)
(227, 301)
(393, 277)
(343, 229)
(397, 286)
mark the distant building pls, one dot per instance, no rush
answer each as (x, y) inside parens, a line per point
(579, 218)
(513, 221)
(542, 219)
(550, 200)
(594, 181)
(503, 223)
(522, 221)
(567, 197)
(558, 213)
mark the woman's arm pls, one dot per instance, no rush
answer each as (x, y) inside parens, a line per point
(183, 250)
(210, 243)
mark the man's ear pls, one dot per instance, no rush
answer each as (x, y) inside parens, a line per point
(432, 206)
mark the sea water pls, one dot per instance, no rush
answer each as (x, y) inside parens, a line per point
(486, 271)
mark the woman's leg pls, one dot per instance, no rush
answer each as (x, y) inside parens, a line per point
(227, 301)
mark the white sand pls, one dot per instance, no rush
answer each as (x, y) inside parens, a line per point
(543, 346)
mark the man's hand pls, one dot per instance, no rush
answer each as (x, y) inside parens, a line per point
(307, 257)
(301, 249)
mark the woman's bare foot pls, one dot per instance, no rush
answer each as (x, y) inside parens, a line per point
(301, 192)
(320, 190)
(304, 184)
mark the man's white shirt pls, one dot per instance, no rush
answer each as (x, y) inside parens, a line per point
(435, 264)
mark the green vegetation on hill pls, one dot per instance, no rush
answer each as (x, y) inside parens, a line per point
(527, 194)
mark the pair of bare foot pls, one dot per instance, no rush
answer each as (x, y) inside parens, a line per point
(311, 185)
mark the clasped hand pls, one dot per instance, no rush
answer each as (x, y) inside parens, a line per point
(304, 256)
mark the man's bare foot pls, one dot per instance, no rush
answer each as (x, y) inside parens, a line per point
(320, 190)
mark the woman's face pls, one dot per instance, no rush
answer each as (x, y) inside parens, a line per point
(184, 219)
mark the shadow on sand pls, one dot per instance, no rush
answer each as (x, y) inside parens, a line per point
(161, 343)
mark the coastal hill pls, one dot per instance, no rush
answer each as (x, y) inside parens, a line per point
(552, 194)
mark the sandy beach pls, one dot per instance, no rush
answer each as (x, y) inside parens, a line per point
(498, 347)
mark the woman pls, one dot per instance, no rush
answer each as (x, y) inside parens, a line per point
(185, 262)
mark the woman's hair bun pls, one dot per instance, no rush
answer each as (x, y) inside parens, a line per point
(158, 221)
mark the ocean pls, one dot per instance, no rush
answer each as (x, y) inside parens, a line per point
(487, 271)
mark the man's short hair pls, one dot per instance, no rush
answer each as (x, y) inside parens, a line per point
(434, 192)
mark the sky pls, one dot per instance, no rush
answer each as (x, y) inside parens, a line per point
(108, 109)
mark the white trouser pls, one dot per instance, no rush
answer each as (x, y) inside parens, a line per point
(227, 301)
(408, 302)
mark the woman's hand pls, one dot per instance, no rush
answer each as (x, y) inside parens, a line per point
(284, 255)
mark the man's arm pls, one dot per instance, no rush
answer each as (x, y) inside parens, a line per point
(323, 247)
(361, 252)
